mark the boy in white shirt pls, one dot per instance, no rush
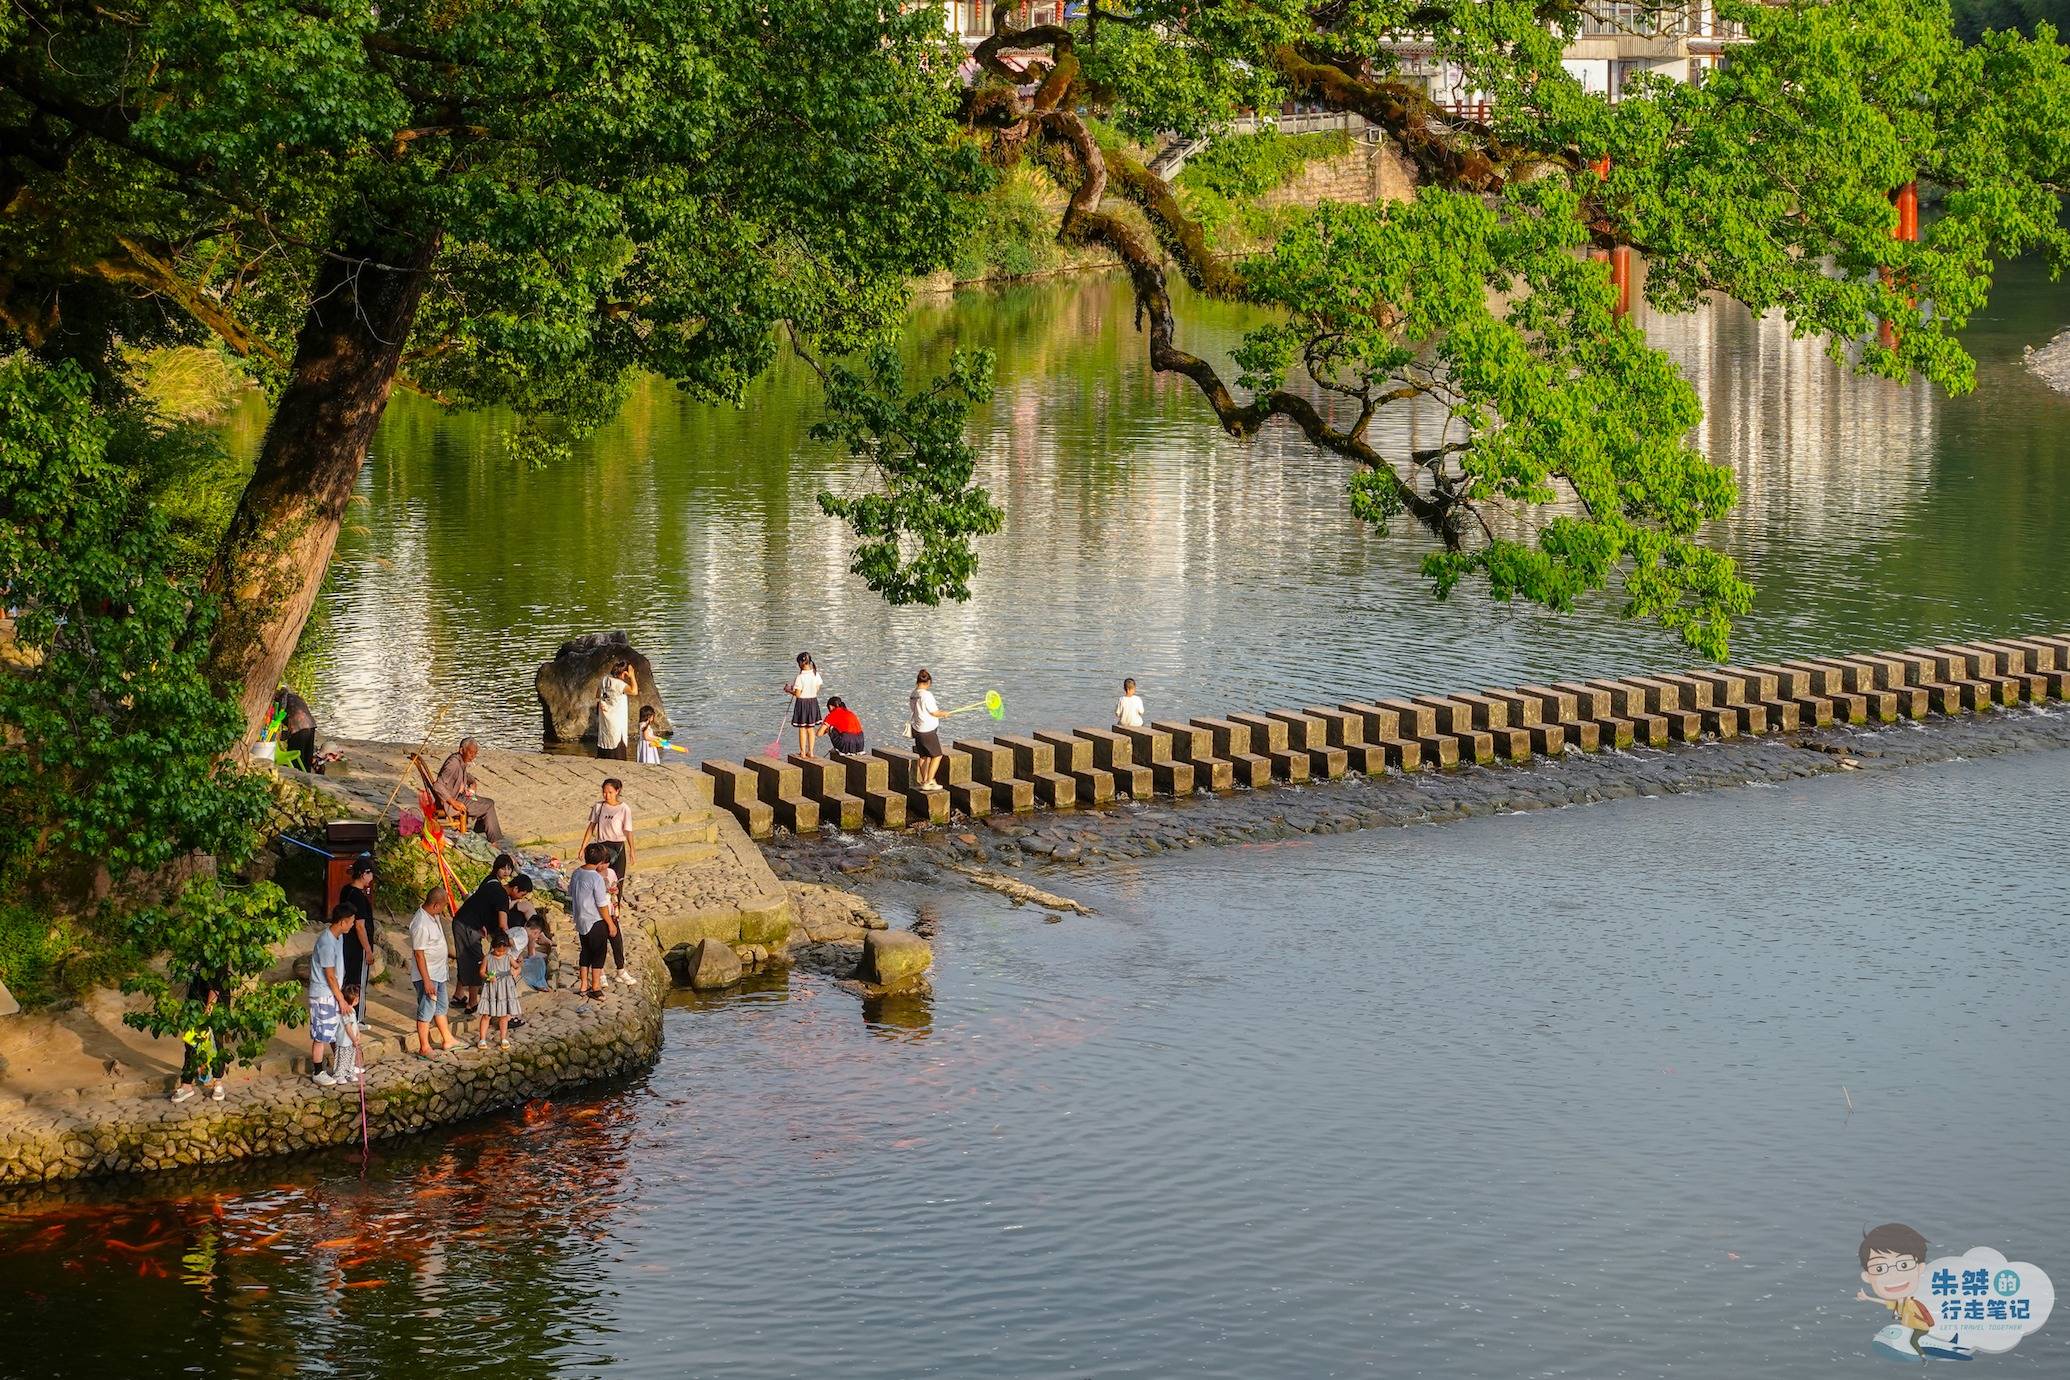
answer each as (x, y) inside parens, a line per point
(1128, 710)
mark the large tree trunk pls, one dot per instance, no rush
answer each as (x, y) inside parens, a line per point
(272, 561)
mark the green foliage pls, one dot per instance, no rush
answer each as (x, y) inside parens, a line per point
(1770, 182)
(182, 383)
(1546, 395)
(613, 186)
(119, 757)
(49, 955)
(915, 534)
(210, 928)
(121, 743)
(1175, 66)
(1247, 165)
(673, 186)
(1015, 234)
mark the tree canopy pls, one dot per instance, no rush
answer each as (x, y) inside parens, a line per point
(1769, 182)
(522, 203)
(526, 203)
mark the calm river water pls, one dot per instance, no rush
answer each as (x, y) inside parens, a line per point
(1547, 1095)
(1139, 541)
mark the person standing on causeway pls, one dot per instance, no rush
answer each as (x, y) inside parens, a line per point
(924, 719)
(804, 693)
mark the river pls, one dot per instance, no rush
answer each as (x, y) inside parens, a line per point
(1140, 541)
(1596, 1092)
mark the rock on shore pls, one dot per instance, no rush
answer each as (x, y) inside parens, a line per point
(2051, 363)
(567, 686)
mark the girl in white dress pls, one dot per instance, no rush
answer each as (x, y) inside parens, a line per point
(650, 741)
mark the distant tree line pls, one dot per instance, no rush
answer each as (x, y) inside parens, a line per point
(1975, 18)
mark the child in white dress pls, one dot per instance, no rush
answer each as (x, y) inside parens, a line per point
(499, 994)
(345, 1064)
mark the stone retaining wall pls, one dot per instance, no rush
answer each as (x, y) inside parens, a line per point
(1369, 172)
(1062, 769)
(563, 1045)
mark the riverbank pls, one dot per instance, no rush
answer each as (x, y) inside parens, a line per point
(82, 1095)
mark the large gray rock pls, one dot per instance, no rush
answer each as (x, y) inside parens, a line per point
(710, 965)
(894, 958)
(567, 687)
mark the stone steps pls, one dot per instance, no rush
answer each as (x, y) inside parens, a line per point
(1014, 773)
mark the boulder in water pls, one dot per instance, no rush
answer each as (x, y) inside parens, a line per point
(568, 687)
(892, 959)
(710, 965)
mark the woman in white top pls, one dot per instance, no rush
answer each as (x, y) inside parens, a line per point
(804, 693)
(613, 741)
(923, 717)
(1128, 710)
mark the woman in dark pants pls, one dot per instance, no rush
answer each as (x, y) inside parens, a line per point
(358, 893)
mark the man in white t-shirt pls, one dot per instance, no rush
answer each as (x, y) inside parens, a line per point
(924, 720)
(1128, 710)
(431, 969)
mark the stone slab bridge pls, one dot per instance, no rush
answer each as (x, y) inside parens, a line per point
(1064, 768)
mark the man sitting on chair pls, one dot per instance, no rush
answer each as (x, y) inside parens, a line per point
(297, 732)
(455, 788)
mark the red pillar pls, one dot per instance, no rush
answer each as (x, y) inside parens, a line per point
(1906, 200)
(1620, 258)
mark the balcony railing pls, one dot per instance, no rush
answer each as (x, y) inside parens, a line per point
(1615, 19)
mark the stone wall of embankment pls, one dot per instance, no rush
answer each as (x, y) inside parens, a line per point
(564, 1045)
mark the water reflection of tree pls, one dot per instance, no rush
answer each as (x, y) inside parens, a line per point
(484, 1252)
